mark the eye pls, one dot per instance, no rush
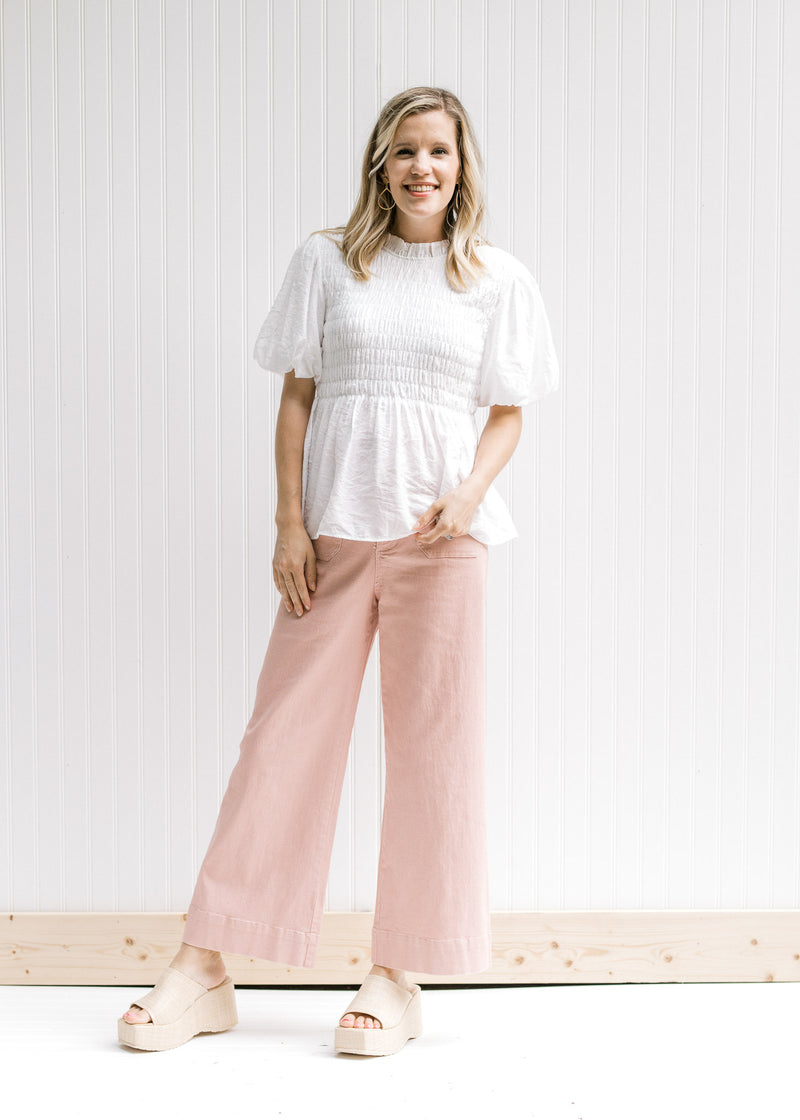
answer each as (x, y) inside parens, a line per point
(403, 151)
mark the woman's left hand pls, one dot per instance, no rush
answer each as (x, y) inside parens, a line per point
(452, 513)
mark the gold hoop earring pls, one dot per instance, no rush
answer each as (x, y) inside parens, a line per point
(380, 196)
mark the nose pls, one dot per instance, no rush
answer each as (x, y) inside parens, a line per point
(421, 163)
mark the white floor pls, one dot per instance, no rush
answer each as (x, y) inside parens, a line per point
(577, 1052)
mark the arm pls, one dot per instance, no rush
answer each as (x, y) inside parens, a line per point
(497, 444)
(294, 562)
(290, 433)
(456, 509)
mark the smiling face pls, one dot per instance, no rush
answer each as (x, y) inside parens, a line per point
(424, 151)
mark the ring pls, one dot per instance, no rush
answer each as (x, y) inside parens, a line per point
(448, 536)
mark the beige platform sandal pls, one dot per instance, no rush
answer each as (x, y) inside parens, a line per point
(179, 1008)
(398, 1010)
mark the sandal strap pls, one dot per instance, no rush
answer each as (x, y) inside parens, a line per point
(380, 998)
(174, 992)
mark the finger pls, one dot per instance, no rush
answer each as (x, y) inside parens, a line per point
(286, 594)
(438, 530)
(299, 592)
(294, 592)
(302, 591)
(291, 598)
(280, 584)
(311, 571)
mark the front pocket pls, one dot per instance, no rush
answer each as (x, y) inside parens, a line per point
(325, 547)
(459, 548)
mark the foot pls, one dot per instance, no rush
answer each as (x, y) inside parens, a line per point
(399, 977)
(206, 966)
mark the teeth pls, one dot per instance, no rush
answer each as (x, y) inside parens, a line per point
(421, 190)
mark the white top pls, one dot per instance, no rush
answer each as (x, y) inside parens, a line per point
(401, 363)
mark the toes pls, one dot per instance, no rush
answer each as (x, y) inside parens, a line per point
(360, 1021)
(137, 1015)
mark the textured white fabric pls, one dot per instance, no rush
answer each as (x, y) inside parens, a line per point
(401, 362)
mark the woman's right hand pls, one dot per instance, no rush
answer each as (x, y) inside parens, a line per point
(294, 567)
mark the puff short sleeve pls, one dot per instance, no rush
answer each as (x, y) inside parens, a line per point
(519, 363)
(291, 335)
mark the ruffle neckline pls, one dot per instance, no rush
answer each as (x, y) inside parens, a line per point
(401, 248)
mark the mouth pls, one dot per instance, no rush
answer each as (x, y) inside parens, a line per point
(420, 189)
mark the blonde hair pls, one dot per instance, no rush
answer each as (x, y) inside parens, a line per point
(369, 224)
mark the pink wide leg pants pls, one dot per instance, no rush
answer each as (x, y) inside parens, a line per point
(261, 886)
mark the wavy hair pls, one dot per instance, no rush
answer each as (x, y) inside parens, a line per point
(370, 224)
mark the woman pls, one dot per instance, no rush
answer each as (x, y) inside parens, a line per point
(389, 333)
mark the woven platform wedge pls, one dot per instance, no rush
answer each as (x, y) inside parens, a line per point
(398, 1010)
(179, 1008)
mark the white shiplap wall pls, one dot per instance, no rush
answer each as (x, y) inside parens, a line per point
(160, 160)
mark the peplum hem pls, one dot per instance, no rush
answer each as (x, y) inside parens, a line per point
(401, 448)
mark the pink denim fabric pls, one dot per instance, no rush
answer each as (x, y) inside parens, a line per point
(261, 886)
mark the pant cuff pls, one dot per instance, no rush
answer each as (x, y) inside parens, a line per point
(250, 939)
(458, 956)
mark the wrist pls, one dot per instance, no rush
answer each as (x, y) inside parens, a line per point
(288, 518)
(475, 487)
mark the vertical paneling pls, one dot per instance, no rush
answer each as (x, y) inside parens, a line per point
(159, 163)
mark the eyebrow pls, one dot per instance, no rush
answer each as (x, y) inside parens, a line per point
(401, 143)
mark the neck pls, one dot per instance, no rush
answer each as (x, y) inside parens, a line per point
(419, 234)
